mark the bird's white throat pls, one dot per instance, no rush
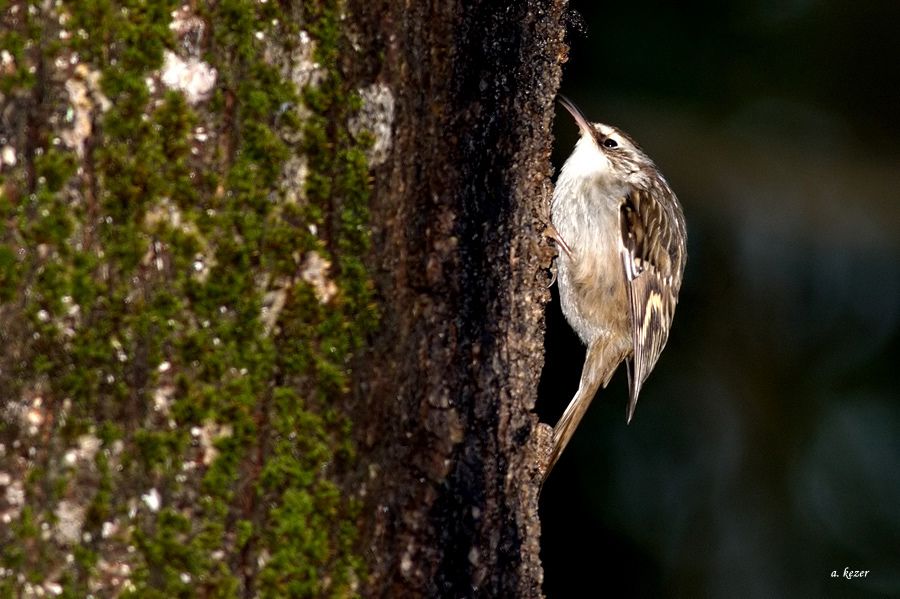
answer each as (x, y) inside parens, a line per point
(589, 166)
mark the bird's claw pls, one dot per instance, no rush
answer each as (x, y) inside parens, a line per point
(551, 233)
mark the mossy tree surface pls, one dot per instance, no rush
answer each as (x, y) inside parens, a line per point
(182, 290)
(271, 296)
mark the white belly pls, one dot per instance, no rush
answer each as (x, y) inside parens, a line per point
(591, 282)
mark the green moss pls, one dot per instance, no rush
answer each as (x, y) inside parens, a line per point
(114, 250)
(20, 79)
(10, 275)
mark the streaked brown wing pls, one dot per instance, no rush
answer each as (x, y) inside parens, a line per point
(653, 256)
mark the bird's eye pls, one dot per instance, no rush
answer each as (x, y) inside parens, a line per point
(610, 143)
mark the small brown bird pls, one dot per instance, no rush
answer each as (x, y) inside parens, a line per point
(623, 241)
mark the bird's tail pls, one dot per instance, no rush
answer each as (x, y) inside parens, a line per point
(598, 369)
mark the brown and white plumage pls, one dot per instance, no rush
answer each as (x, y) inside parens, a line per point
(624, 241)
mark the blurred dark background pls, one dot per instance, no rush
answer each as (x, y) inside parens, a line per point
(765, 450)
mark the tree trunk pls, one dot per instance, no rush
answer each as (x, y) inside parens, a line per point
(272, 285)
(446, 392)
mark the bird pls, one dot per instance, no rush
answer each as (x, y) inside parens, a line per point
(623, 247)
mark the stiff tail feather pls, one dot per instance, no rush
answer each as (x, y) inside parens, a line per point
(597, 371)
(565, 428)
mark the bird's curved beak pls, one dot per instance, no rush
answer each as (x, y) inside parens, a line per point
(583, 124)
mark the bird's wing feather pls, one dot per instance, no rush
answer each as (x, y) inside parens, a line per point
(653, 259)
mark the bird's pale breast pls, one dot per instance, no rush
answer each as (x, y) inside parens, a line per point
(591, 282)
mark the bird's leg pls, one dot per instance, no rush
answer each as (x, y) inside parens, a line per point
(551, 233)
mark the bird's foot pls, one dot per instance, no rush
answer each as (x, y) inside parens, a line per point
(551, 233)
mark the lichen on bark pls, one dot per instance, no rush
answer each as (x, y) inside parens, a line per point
(170, 378)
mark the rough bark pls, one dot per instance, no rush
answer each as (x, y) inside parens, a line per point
(271, 296)
(446, 392)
